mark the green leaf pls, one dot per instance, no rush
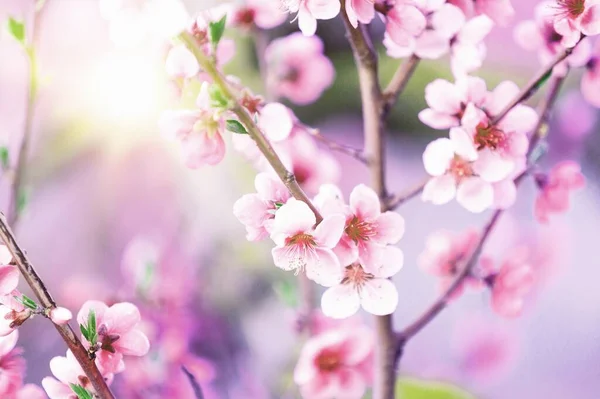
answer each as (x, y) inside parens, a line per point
(81, 392)
(217, 98)
(84, 332)
(236, 127)
(4, 157)
(16, 29)
(22, 199)
(30, 303)
(409, 388)
(91, 328)
(287, 292)
(216, 30)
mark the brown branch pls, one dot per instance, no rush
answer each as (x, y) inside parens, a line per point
(395, 201)
(41, 292)
(399, 81)
(333, 146)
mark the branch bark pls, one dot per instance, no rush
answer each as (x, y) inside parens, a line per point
(399, 81)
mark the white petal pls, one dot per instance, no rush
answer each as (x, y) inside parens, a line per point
(379, 297)
(340, 301)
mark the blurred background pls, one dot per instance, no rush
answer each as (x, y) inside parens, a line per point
(105, 193)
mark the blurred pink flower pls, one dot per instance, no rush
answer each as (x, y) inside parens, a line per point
(30, 391)
(12, 366)
(309, 11)
(9, 274)
(366, 287)
(575, 117)
(511, 283)
(60, 315)
(336, 364)
(590, 81)
(257, 211)
(297, 68)
(362, 11)
(467, 47)
(181, 63)
(556, 189)
(301, 247)
(118, 332)
(264, 14)
(500, 11)
(445, 252)
(403, 23)
(539, 35)
(574, 18)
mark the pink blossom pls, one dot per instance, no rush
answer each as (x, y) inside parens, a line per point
(9, 274)
(539, 35)
(366, 287)
(30, 391)
(500, 11)
(118, 332)
(362, 11)
(60, 315)
(367, 231)
(590, 81)
(556, 188)
(264, 14)
(447, 101)
(336, 364)
(574, 18)
(181, 63)
(468, 49)
(444, 254)
(198, 131)
(309, 11)
(511, 283)
(301, 247)
(12, 313)
(257, 211)
(297, 68)
(68, 371)
(403, 23)
(12, 365)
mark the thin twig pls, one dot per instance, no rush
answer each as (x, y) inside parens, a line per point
(194, 383)
(398, 83)
(41, 292)
(344, 149)
(395, 201)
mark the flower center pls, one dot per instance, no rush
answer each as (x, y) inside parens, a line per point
(489, 136)
(570, 8)
(245, 17)
(107, 340)
(460, 168)
(302, 173)
(359, 230)
(328, 360)
(356, 275)
(291, 74)
(302, 240)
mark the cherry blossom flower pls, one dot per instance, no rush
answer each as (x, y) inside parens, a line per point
(301, 247)
(12, 313)
(198, 131)
(511, 283)
(362, 11)
(367, 231)
(68, 371)
(30, 391)
(336, 364)
(366, 287)
(500, 11)
(445, 252)
(12, 366)
(297, 68)
(590, 81)
(257, 211)
(447, 101)
(539, 35)
(264, 14)
(403, 23)
(309, 11)
(574, 18)
(181, 63)
(118, 332)
(556, 189)
(468, 49)
(60, 315)
(9, 274)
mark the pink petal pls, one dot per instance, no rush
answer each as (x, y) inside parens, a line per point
(134, 343)
(358, 345)
(431, 46)
(379, 297)
(390, 228)
(276, 121)
(475, 30)
(364, 203)
(60, 315)
(475, 195)
(505, 194)
(30, 391)
(306, 22)
(293, 217)
(323, 9)
(98, 307)
(284, 259)
(590, 87)
(521, 119)
(340, 301)
(9, 279)
(55, 389)
(501, 96)
(590, 21)
(330, 230)
(352, 17)
(437, 156)
(351, 384)
(181, 63)
(63, 369)
(437, 120)
(121, 317)
(466, 58)
(370, 253)
(8, 342)
(403, 23)
(324, 268)
(493, 167)
(202, 148)
(528, 36)
(442, 96)
(364, 10)
(393, 260)
(448, 20)
(439, 190)
(463, 144)
(507, 306)
(472, 89)
(5, 255)
(346, 251)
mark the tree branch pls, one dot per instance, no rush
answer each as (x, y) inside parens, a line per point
(395, 201)
(398, 83)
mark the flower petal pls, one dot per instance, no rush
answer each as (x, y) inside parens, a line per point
(475, 194)
(364, 203)
(293, 217)
(330, 230)
(324, 268)
(439, 190)
(437, 156)
(121, 317)
(340, 301)
(390, 227)
(134, 343)
(9, 279)
(379, 297)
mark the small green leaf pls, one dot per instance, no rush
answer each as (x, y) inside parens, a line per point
(217, 97)
(91, 328)
(28, 302)
(84, 332)
(287, 292)
(16, 29)
(216, 30)
(236, 127)
(409, 388)
(4, 157)
(22, 199)
(81, 392)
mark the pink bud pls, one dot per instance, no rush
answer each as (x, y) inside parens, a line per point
(60, 315)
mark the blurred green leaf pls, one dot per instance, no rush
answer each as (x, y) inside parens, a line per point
(22, 199)
(28, 302)
(4, 157)
(287, 292)
(81, 392)
(17, 29)
(216, 30)
(91, 328)
(236, 127)
(217, 98)
(409, 388)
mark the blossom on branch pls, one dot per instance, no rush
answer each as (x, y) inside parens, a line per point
(556, 189)
(309, 11)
